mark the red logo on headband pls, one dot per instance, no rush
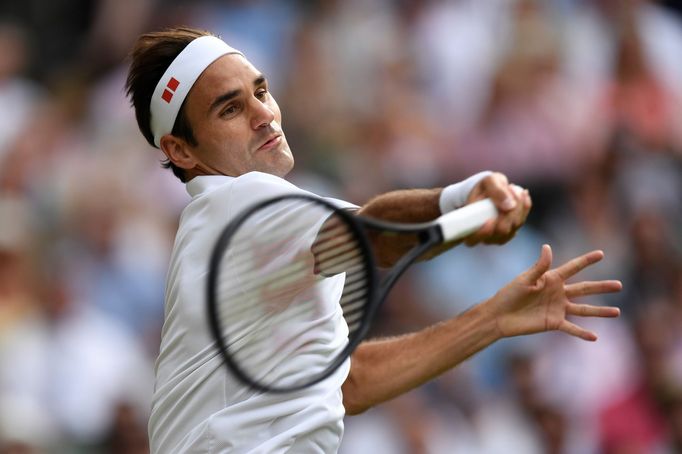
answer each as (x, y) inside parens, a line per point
(172, 85)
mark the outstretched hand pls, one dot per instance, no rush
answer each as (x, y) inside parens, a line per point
(540, 299)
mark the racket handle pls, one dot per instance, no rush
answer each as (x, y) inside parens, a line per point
(464, 221)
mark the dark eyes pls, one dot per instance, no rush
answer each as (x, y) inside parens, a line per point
(234, 108)
(230, 110)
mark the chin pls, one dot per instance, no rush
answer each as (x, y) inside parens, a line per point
(280, 168)
(283, 171)
(283, 165)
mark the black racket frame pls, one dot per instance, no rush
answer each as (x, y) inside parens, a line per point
(429, 234)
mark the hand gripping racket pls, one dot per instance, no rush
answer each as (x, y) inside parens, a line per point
(293, 284)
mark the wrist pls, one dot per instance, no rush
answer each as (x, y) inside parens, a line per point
(491, 318)
(455, 195)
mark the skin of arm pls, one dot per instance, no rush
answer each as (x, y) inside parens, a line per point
(422, 205)
(535, 301)
(406, 206)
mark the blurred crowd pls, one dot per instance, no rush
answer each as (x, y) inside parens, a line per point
(578, 100)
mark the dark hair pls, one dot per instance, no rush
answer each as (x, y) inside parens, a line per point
(152, 55)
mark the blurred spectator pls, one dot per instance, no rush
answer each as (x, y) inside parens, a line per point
(534, 126)
(411, 424)
(16, 294)
(457, 45)
(56, 32)
(75, 364)
(262, 29)
(510, 420)
(18, 95)
(645, 418)
(581, 100)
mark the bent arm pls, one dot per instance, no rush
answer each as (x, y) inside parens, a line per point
(405, 206)
(423, 205)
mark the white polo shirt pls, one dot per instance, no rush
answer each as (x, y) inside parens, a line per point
(198, 406)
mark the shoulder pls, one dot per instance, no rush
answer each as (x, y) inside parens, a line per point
(218, 198)
(247, 189)
(255, 187)
(258, 186)
(259, 183)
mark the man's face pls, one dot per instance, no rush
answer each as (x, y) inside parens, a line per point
(236, 121)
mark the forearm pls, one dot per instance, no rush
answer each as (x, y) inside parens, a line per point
(410, 205)
(384, 369)
(405, 206)
(422, 205)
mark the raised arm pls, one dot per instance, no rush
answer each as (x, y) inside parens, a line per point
(535, 301)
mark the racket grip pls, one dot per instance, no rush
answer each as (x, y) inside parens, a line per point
(464, 221)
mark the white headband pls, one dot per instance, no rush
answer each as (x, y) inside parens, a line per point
(178, 79)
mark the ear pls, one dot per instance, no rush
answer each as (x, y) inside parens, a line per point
(178, 151)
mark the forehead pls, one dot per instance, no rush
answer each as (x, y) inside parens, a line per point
(229, 72)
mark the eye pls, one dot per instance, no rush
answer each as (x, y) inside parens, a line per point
(261, 93)
(230, 110)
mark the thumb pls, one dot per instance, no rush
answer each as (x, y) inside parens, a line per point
(541, 266)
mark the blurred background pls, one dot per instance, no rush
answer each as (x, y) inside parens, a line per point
(578, 100)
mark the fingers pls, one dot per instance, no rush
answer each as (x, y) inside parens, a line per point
(513, 203)
(496, 186)
(592, 288)
(585, 310)
(578, 264)
(508, 223)
(527, 202)
(481, 234)
(574, 330)
(541, 266)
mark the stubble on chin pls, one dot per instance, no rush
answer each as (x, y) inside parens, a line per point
(284, 167)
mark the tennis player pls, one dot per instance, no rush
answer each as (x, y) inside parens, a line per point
(209, 110)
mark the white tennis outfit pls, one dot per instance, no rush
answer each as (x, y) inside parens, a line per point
(198, 406)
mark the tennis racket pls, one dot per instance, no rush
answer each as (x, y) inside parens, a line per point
(285, 271)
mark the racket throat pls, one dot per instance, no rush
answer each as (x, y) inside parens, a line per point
(427, 240)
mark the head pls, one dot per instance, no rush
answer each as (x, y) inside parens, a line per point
(227, 124)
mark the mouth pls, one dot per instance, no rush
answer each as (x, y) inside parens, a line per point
(273, 141)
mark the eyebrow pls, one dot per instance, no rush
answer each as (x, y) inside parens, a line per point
(225, 97)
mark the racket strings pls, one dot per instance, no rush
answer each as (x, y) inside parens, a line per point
(352, 299)
(276, 282)
(334, 246)
(275, 234)
(244, 259)
(283, 281)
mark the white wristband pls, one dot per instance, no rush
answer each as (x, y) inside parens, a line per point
(455, 195)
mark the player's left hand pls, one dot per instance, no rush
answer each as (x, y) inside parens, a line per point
(540, 299)
(512, 202)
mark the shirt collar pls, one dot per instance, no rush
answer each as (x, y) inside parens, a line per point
(204, 183)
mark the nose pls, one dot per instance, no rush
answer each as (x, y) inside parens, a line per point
(262, 115)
